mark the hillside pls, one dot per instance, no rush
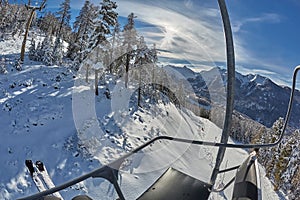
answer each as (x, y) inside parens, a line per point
(49, 114)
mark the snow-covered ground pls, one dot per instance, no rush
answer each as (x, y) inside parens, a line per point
(48, 114)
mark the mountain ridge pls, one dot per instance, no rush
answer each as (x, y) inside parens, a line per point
(256, 96)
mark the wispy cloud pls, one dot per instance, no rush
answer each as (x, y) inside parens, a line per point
(180, 33)
(263, 18)
(190, 32)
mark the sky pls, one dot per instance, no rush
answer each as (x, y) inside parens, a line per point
(190, 32)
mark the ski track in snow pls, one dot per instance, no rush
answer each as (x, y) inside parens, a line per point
(37, 123)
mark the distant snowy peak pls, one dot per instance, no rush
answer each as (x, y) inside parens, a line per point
(256, 96)
(185, 71)
(258, 79)
(241, 78)
(255, 79)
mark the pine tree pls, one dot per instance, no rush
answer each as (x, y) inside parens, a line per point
(12, 19)
(291, 177)
(39, 53)
(47, 50)
(294, 192)
(49, 23)
(32, 50)
(64, 16)
(83, 26)
(2, 66)
(272, 155)
(140, 60)
(19, 15)
(129, 43)
(115, 52)
(57, 51)
(107, 19)
(281, 164)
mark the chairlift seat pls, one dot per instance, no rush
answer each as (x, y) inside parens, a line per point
(176, 185)
(247, 181)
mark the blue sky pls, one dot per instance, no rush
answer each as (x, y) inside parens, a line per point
(266, 33)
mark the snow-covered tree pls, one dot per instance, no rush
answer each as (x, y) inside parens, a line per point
(129, 43)
(39, 52)
(103, 24)
(3, 69)
(115, 52)
(47, 50)
(272, 154)
(12, 19)
(281, 164)
(32, 50)
(290, 178)
(49, 23)
(63, 16)
(57, 51)
(83, 27)
(20, 15)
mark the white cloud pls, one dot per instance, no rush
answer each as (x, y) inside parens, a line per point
(182, 35)
(191, 33)
(264, 18)
(185, 33)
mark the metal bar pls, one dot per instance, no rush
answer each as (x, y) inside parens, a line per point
(224, 188)
(229, 169)
(230, 88)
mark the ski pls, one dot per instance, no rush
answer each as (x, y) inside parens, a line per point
(44, 176)
(34, 175)
(40, 177)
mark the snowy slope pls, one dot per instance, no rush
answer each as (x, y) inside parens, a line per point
(43, 119)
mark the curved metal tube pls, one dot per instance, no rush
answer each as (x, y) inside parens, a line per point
(230, 88)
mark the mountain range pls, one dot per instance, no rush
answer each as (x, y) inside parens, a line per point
(256, 96)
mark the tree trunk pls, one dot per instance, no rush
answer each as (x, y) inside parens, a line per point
(127, 69)
(96, 82)
(26, 34)
(87, 73)
(140, 89)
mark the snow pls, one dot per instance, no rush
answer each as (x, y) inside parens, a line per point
(62, 123)
(257, 79)
(185, 71)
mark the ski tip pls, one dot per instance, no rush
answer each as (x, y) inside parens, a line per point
(28, 162)
(40, 165)
(29, 165)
